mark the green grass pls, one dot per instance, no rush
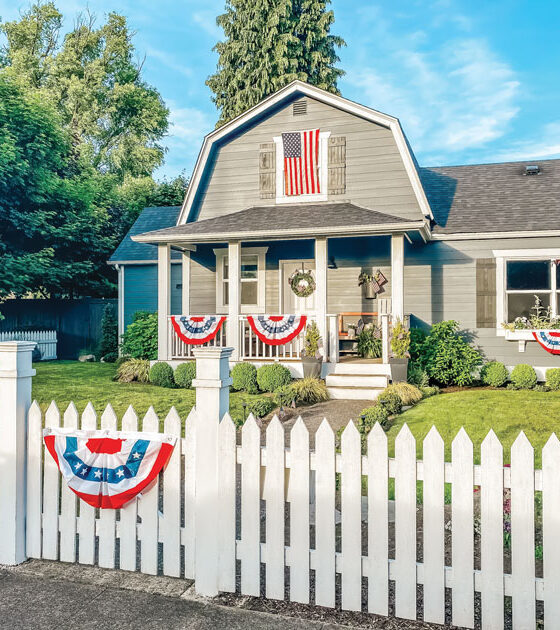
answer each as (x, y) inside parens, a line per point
(66, 381)
(479, 410)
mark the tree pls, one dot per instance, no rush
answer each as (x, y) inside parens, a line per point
(268, 44)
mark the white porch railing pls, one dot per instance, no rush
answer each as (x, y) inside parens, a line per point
(253, 348)
(178, 349)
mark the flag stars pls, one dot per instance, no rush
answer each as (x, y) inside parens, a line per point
(97, 474)
(136, 455)
(120, 472)
(78, 466)
(84, 471)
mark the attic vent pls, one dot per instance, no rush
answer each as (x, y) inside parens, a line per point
(532, 169)
(299, 108)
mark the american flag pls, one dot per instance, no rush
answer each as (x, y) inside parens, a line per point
(301, 155)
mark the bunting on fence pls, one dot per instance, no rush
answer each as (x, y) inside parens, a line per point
(277, 330)
(107, 469)
(548, 339)
(197, 330)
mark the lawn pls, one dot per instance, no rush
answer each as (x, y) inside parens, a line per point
(479, 410)
(66, 381)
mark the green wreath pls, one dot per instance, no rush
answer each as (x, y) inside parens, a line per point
(302, 283)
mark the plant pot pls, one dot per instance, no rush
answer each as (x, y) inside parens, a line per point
(370, 291)
(311, 367)
(351, 333)
(399, 369)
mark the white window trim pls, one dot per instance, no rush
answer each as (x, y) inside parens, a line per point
(502, 256)
(323, 171)
(260, 308)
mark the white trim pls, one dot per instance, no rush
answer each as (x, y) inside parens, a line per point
(470, 236)
(527, 253)
(326, 97)
(500, 295)
(323, 171)
(164, 299)
(120, 303)
(186, 284)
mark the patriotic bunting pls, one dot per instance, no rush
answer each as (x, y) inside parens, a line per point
(548, 339)
(107, 469)
(276, 330)
(197, 330)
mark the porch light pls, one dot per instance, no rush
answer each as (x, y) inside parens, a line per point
(332, 263)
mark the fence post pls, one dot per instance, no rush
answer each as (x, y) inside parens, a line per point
(15, 399)
(212, 402)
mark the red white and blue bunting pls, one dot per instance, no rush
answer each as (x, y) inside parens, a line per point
(107, 469)
(197, 330)
(548, 339)
(277, 330)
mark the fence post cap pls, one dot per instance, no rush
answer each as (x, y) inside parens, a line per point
(212, 353)
(17, 346)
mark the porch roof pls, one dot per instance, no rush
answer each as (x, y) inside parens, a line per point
(285, 221)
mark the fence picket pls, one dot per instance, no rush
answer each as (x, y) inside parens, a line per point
(298, 497)
(491, 532)
(34, 481)
(433, 534)
(351, 514)
(405, 524)
(107, 518)
(171, 522)
(189, 493)
(275, 509)
(551, 522)
(250, 507)
(148, 510)
(325, 483)
(522, 534)
(129, 513)
(68, 501)
(51, 492)
(86, 523)
(227, 492)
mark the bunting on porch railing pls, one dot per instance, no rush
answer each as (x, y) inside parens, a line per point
(548, 339)
(107, 469)
(276, 330)
(197, 330)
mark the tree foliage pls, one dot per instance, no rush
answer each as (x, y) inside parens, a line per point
(268, 44)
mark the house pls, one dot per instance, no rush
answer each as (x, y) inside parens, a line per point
(471, 243)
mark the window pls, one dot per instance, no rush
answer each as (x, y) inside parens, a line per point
(252, 278)
(526, 279)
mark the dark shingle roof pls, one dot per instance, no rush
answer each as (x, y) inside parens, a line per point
(493, 197)
(150, 219)
(274, 219)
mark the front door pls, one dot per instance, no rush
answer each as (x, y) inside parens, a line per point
(291, 303)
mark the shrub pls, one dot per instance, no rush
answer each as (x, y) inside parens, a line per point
(271, 377)
(369, 343)
(553, 378)
(429, 391)
(541, 388)
(312, 341)
(309, 390)
(244, 376)
(133, 370)
(185, 373)
(162, 374)
(110, 357)
(417, 339)
(523, 376)
(284, 396)
(371, 415)
(447, 355)
(140, 338)
(409, 394)
(261, 407)
(391, 401)
(417, 375)
(494, 374)
(400, 340)
(109, 343)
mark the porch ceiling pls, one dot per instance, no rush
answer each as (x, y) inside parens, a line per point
(286, 221)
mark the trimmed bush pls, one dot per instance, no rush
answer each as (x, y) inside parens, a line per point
(284, 396)
(494, 374)
(409, 394)
(553, 378)
(523, 376)
(110, 357)
(271, 377)
(427, 392)
(244, 376)
(161, 374)
(140, 338)
(109, 343)
(261, 407)
(309, 390)
(541, 388)
(133, 370)
(391, 401)
(371, 415)
(185, 373)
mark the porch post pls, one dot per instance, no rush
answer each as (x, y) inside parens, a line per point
(234, 267)
(186, 284)
(164, 299)
(321, 246)
(397, 276)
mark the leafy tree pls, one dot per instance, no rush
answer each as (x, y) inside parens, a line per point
(269, 43)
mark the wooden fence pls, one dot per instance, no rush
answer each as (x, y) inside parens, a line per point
(45, 339)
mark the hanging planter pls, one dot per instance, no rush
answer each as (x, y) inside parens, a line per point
(302, 283)
(373, 283)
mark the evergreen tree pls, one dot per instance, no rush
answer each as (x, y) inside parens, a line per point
(268, 44)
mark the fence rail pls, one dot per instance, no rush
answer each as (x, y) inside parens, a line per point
(45, 339)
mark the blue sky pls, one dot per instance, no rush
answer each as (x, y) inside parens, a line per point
(470, 81)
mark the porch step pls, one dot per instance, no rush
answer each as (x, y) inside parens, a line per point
(354, 393)
(355, 368)
(356, 380)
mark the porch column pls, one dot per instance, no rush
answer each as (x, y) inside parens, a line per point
(186, 284)
(321, 247)
(397, 276)
(234, 267)
(164, 299)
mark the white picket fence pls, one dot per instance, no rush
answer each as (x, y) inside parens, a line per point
(45, 339)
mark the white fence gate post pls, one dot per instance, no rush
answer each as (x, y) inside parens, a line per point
(15, 400)
(212, 403)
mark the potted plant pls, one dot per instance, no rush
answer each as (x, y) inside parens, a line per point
(352, 331)
(369, 281)
(369, 342)
(400, 344)
(311, 357)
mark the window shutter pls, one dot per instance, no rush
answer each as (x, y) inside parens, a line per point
(267, 170)
(486, 293)
(337, 165)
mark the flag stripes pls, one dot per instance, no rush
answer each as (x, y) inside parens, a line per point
(301, 160)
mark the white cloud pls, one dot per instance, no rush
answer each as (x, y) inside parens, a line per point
(207, 21)
(168, 60)
(546, 146)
